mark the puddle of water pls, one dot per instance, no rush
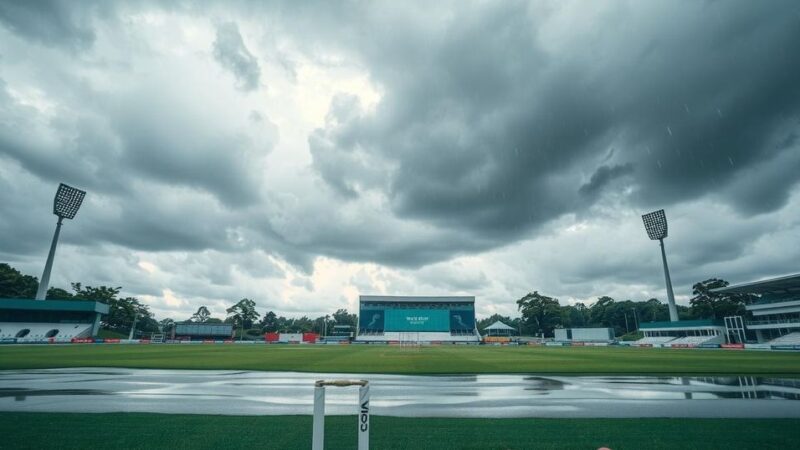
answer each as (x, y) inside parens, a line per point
(278, 393)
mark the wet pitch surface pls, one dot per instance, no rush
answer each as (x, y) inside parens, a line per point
(280, 393)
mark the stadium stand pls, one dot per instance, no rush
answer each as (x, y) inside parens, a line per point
(421, 319)
(787, 339)
(684, 332)
(429, 336)
(774, 306)
(25, 320)
(698, 340)
(34, 332)
(653, 340)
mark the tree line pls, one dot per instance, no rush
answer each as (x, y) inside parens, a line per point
(126, 312)
(542, 314)
(538, 313)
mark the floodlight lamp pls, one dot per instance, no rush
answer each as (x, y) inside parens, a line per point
(67, 201)
(656, 224)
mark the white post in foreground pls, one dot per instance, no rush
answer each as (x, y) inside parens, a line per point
(318, 438)
(319, 418)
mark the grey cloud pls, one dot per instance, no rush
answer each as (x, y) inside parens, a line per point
(602, 177)
(167, 139)
(492, 129)
(54, 23)
(492, 138)
(231, 53)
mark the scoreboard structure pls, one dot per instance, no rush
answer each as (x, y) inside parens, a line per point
(193, 330)
(384, 318)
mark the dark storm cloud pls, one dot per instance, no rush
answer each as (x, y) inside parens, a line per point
(488, 127)
(55, 23)
(602, 177)
(233, 55)
(494, 119)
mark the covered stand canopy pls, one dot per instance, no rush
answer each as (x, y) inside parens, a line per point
(498, 329)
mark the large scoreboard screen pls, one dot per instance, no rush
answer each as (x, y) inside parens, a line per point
(417, 320)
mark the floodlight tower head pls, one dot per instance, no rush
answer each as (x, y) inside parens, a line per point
(65, 205)
(656, 225)
(67, 201)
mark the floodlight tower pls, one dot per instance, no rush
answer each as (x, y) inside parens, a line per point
(656, 225)
(65, 205)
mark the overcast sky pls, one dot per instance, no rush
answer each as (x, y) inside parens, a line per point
(302, 153)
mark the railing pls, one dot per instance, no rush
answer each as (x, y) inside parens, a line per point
(770, 300)
(774, 321)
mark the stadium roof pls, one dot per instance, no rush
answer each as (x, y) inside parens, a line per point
(420, 299)
(682, 324)
(788, 283)
(498, 326)
(54, 305)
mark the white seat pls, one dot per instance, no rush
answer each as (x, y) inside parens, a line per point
(654, 340)
(423, 336)
(787, 339)
(32, 332)
(697, 340)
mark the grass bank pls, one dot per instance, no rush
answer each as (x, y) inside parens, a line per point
(387, 359)
(152, 431)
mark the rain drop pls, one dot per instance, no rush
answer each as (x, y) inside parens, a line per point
(669, 130)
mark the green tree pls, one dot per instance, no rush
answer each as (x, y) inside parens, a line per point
(55, 293)
(269, 323)
(342, 317)
(103, 294)
(539, 313)
(712, 305)
(13, 284)
(166, 325)
(597, 312)
(201, 316)
(243, 313)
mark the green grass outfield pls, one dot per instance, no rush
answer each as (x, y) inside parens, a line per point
(449, 359)
(155, 431)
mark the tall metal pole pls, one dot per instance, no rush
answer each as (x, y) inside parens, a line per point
(635, 319)
(133, 327)
(673, 310)
(41, 292)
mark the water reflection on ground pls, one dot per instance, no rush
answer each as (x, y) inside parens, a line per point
(274, 393)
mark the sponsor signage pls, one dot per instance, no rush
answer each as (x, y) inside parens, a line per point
(733, 346)
(111, 341)
(708, 346)
(786, 347)
(757, 346)
(82, 340)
